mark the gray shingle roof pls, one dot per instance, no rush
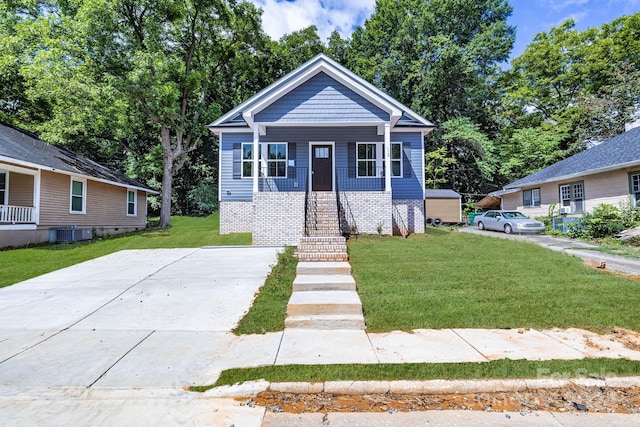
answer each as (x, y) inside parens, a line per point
(441, 194)
(24, 147)
(620, 151)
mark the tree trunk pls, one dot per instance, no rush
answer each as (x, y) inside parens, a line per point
(167, 177)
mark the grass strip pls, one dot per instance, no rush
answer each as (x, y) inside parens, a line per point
(269, 309)
(21, 264)
(447, 279)
(497, 369)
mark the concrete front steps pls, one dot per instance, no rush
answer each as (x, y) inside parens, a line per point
(324, 297)
(319, 282)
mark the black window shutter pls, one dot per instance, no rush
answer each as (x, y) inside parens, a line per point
(406, 162)
(291, 171)
(351, 160)
(237, 160)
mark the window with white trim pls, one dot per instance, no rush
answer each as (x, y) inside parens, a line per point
(132, 203)
(370, 159)
(3, 188)
(572, 196)
(276, 155)
(247, 159)
(396, 159)
(78, 202)
(634, 188)
(531, 198)
(367, 155)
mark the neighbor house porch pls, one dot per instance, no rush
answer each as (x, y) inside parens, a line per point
(19, 201)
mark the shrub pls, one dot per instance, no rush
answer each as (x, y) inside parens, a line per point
(605, 221)
(629, 214)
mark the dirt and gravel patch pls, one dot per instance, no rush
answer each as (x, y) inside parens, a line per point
(572, 398)
(629, 338)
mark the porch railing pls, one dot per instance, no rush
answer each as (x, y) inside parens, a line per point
(17, 214)
(296, 180)
(349, 181)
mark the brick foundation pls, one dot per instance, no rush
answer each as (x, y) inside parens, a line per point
(236, 217)
(279, 218)
(368, 210)
(409, 214)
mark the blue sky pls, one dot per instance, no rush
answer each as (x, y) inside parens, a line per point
(529, 16)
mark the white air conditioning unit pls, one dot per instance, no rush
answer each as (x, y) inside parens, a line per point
(565, 210)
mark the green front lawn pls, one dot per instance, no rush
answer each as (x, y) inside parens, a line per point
(505, 368)
(21, 264)
(447, 279)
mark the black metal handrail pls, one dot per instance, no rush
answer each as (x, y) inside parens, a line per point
(347, 227)
(306, 205)
(349, 180)
(404, 231)
(296, 180)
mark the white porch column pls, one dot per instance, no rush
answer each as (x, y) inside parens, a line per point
(387, 157)
(256, 155)
(36, 197)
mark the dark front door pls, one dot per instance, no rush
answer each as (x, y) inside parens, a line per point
(321, 168)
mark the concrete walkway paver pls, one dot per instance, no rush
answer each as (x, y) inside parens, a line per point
(423, 346)
(593, 345)
(312, 347)
(495, 344)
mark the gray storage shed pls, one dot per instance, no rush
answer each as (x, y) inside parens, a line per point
(442, 205)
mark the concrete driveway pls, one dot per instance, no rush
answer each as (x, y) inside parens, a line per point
(154, 319)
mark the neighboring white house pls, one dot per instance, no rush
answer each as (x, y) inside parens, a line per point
(607, 173)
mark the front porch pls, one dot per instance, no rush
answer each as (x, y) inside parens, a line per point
(19, 188)
(17, 215)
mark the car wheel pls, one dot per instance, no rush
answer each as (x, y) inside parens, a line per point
(508, 229)
(480, 225)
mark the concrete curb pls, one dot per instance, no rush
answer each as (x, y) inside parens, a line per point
(252, 388)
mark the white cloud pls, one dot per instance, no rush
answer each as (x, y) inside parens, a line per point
(564, 4)
(578, 17)
(283, 17)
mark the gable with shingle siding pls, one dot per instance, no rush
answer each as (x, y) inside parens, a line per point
(322, 98)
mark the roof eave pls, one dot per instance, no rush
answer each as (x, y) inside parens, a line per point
(70, 173)
(575, 175)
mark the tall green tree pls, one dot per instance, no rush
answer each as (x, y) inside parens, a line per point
(527, 151)
(472, 153)
(438, 56)
(437, 165)
(582, 84)
(441, 57)
(139, 73)
(291, 51)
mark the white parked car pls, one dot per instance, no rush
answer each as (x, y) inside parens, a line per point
(509, 222)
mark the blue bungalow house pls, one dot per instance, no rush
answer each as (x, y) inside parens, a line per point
(320, 135)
